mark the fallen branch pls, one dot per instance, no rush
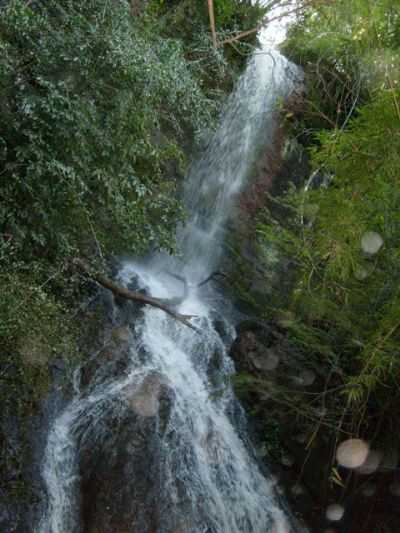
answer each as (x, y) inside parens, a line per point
(117, 290)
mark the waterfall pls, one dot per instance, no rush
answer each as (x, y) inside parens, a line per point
(214, 181)
(174, 393)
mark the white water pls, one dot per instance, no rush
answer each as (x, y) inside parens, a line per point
(209, 479)
(215, 180)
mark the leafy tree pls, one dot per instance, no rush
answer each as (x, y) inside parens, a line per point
(348, 51)
(189, 21)
(92, 116)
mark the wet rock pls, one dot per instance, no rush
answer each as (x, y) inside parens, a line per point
(9, 515)
(121, 334)
(120, 464)
(117, 484)
(267, 361)
(118, 487)
(144, 399)
(223, 328)
(58, 366)
(11, 463)
(112, 357)
(5, 515)
(215, 365)
(251, 355)
(264, 350)
(297, 465)
(220, 327)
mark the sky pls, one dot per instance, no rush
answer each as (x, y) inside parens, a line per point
(274, 33)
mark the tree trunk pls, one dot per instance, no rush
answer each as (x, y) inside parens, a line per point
(212, 22)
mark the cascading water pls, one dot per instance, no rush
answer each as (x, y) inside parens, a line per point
(174, 390)
(214, 181)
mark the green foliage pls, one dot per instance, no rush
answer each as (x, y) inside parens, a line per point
(188, 20)
(363, 196)
(98, 110)
(230, 15)
(348, 49)
(92, 115)
(94, 110)
(342, 309)
(35, 328)
(239, 15)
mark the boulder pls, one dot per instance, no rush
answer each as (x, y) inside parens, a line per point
(121, 466)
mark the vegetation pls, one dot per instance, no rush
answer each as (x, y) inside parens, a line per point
(341, 233)
(96, 109)
(101, 103)
(189, 21)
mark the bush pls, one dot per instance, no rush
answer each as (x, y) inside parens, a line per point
(348, 51)
(92, 115)
(343, 305)
(341, 236)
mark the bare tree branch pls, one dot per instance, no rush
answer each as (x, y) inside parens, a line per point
(266, 21)
(210, 277)
(117, 290)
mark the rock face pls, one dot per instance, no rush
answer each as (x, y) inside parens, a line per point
(262, 349)
(258, 356)
(145, 401)
(120, 471)
(307, 451)
(118, 479)
(119, 460)
(11, 450)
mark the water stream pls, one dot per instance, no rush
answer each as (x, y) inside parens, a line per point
(174, 391)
